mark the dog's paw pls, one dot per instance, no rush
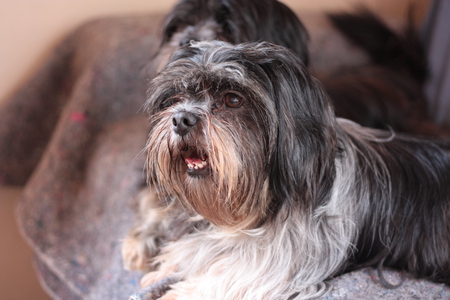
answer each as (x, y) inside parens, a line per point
(135, 254)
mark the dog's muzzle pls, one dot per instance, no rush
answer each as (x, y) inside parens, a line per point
(196, 160)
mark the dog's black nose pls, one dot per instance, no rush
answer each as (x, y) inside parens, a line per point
(183, 122)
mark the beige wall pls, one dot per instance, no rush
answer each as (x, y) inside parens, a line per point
(30, 28)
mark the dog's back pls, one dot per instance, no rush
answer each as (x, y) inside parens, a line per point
(405, 184)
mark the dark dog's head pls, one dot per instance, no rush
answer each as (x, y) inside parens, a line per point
(233, 21)
(240, 131)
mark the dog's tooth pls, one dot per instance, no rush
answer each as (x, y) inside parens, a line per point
(197, 165)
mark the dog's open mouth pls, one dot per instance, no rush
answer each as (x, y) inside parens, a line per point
(197, 162)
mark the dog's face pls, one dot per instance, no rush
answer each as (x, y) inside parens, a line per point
(239, 131)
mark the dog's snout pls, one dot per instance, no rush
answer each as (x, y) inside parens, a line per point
(183, 122)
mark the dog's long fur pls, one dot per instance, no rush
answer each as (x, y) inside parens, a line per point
(290, 195)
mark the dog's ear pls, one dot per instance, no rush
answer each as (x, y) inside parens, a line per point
(302, 167)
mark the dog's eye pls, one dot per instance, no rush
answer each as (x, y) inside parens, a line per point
(232, 100)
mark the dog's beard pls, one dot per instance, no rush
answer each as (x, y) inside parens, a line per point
(214, 170)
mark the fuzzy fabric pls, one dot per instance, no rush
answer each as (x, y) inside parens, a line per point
(74, 134)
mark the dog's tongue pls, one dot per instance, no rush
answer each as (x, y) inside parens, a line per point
(193, 160)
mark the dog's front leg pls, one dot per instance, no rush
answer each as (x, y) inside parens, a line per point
(164, 271)
(144, 240)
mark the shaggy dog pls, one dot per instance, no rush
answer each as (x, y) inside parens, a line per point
(270, 193)
(232, 21)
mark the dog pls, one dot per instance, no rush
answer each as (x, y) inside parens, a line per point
(232, 21)
(270, 193)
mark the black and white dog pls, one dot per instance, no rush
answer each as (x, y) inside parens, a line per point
(270, 193)
(232, 21)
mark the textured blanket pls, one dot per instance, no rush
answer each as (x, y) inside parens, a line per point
(73, 135)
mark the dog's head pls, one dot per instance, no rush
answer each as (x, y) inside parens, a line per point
(240, 131)
(233, 21)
